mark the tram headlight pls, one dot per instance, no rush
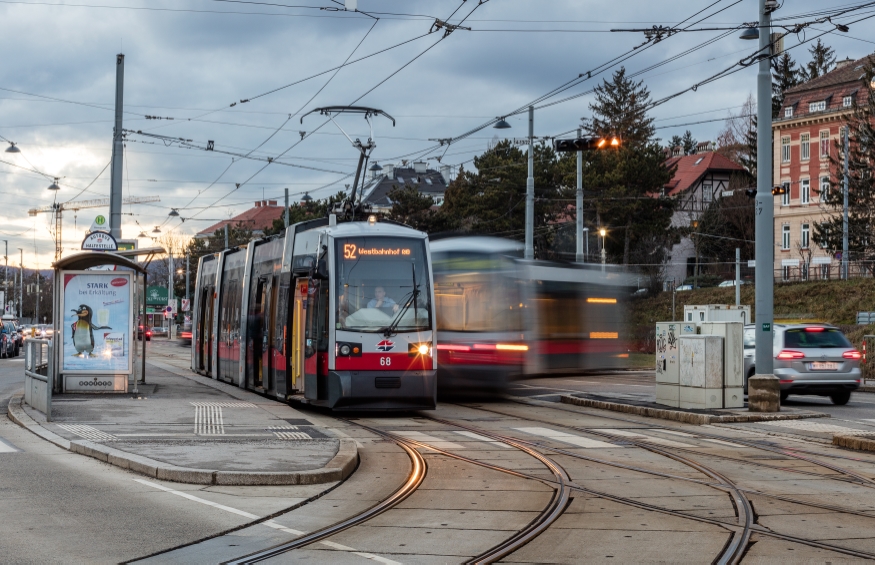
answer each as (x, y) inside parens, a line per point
(419, 349)
(423, 349)
(348, 349)
(345, 350)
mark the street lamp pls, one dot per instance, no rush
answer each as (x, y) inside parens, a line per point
(586, 238)
(501, 124)
(603, 232)
(54, 185)
(157, 230)
(173, 213)
(12, 148)
(530, 184)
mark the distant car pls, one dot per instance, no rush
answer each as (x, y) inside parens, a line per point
(183, 332)
(148, 332)
(731, 283)
(684, 287)
(812, 359)
(8, 340)
(640, 292)
(158, 330)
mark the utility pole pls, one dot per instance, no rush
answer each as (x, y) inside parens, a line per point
(115, 190)
(226, 236)
(580, 256)
(763, 387)
(286, 211)
(737, 276)
(170, 299)
(36, 312)
(845, 186)
(530, 190)
(5, 275)
(21, 283)
(187, 280)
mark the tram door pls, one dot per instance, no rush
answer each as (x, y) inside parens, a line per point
(207, 331)
(299, 312)
(258, 332)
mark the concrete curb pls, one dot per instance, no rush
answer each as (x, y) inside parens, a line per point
(685, 417)
(339, 468)
(866, 388)
(854, 442)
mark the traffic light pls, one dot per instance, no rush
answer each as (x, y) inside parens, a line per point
(584, 144)
(779, 190)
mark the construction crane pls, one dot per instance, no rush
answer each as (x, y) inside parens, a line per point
(58, 208)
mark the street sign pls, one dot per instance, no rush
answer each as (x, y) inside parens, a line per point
(186, 304)
(99, 224)
(99, 241)
(767, 327)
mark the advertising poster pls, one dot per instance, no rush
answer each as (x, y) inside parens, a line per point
(97, 322)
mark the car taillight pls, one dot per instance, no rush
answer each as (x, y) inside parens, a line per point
(814, 329)
(852, 354)
(787, 354)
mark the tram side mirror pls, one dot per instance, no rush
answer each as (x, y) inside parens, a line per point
(321, 270)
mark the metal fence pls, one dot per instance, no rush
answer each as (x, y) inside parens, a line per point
(39, 375)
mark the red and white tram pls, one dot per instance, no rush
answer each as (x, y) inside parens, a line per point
(342, 314)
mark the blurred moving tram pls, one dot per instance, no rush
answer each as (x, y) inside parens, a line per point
(500, 317)
(339, 314)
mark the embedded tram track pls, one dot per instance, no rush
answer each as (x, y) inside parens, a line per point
(736, 546)
(417, 474)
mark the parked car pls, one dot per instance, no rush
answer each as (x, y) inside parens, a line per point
(731, 283)
(8, 340)
(144, 329)
(183, 333)
(159, 330)
(684, 287)
(812, 359)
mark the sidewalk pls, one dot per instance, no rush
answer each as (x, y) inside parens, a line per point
(187, 428)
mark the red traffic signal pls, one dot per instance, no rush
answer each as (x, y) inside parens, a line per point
(585, 144)
(779, 190)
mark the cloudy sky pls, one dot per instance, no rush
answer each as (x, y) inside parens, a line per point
(189, 60)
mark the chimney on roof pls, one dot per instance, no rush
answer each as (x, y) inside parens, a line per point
(845, 63)
(389, 171)
(420, 167)
(677, 151)
(271, 202)
(445, 173)
(704, 147)
(258, 203)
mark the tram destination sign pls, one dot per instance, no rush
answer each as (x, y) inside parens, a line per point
(352, 252)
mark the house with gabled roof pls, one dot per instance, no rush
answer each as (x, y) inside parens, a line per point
(387, 178)
(257, 219)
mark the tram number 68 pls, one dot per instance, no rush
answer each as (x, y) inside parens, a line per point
(385, 361)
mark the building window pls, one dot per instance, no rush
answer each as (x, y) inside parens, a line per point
(824, 188)
(785, 237)
(785, 149)
(824, 144)
(806, 236)
(824, 272)
(847, 101)
(707, 193)
(805, 146)
(788, 112)
(805, 191)
(824, 233)
(785, 198)
(785, 273)
(817, 106)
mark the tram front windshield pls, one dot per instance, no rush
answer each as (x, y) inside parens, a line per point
(381, 282)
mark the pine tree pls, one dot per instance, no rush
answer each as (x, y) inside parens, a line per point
(748, 157)
(861, 182)
(823, 60)
(620, 110)
(675, 141)
(689, 143)
(785, 76)
(624, 180)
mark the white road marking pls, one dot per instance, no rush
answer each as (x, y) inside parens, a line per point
(225, 404)
(87, 432)
(281, 428)
(6, 447)
(684, 434)
(807, 426)
(269, 523)
(565, 437)
(431, 440)
(292, 435)
(478, 437)
(650, 439)
(208, 419)
(189, 434)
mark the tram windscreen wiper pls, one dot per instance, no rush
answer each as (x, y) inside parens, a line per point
(414, 295)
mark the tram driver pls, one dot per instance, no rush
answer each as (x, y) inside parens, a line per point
(380, 300)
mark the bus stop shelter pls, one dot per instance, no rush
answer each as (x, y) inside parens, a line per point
(99, 299)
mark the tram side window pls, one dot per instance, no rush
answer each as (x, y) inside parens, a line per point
(474, 303)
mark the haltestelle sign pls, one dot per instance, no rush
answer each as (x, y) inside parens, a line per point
(99, 241)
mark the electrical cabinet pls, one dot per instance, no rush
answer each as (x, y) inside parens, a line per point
(701, 371)
(667, 368)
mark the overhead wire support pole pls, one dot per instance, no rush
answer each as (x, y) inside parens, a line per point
(765, 212)
(530, 190)
(845, 187)
(579, 228)
(115, 192)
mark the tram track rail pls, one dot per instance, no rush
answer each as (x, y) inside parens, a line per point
(418, 471)
(736, 546)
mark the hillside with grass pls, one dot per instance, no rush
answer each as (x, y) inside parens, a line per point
(833, 302)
